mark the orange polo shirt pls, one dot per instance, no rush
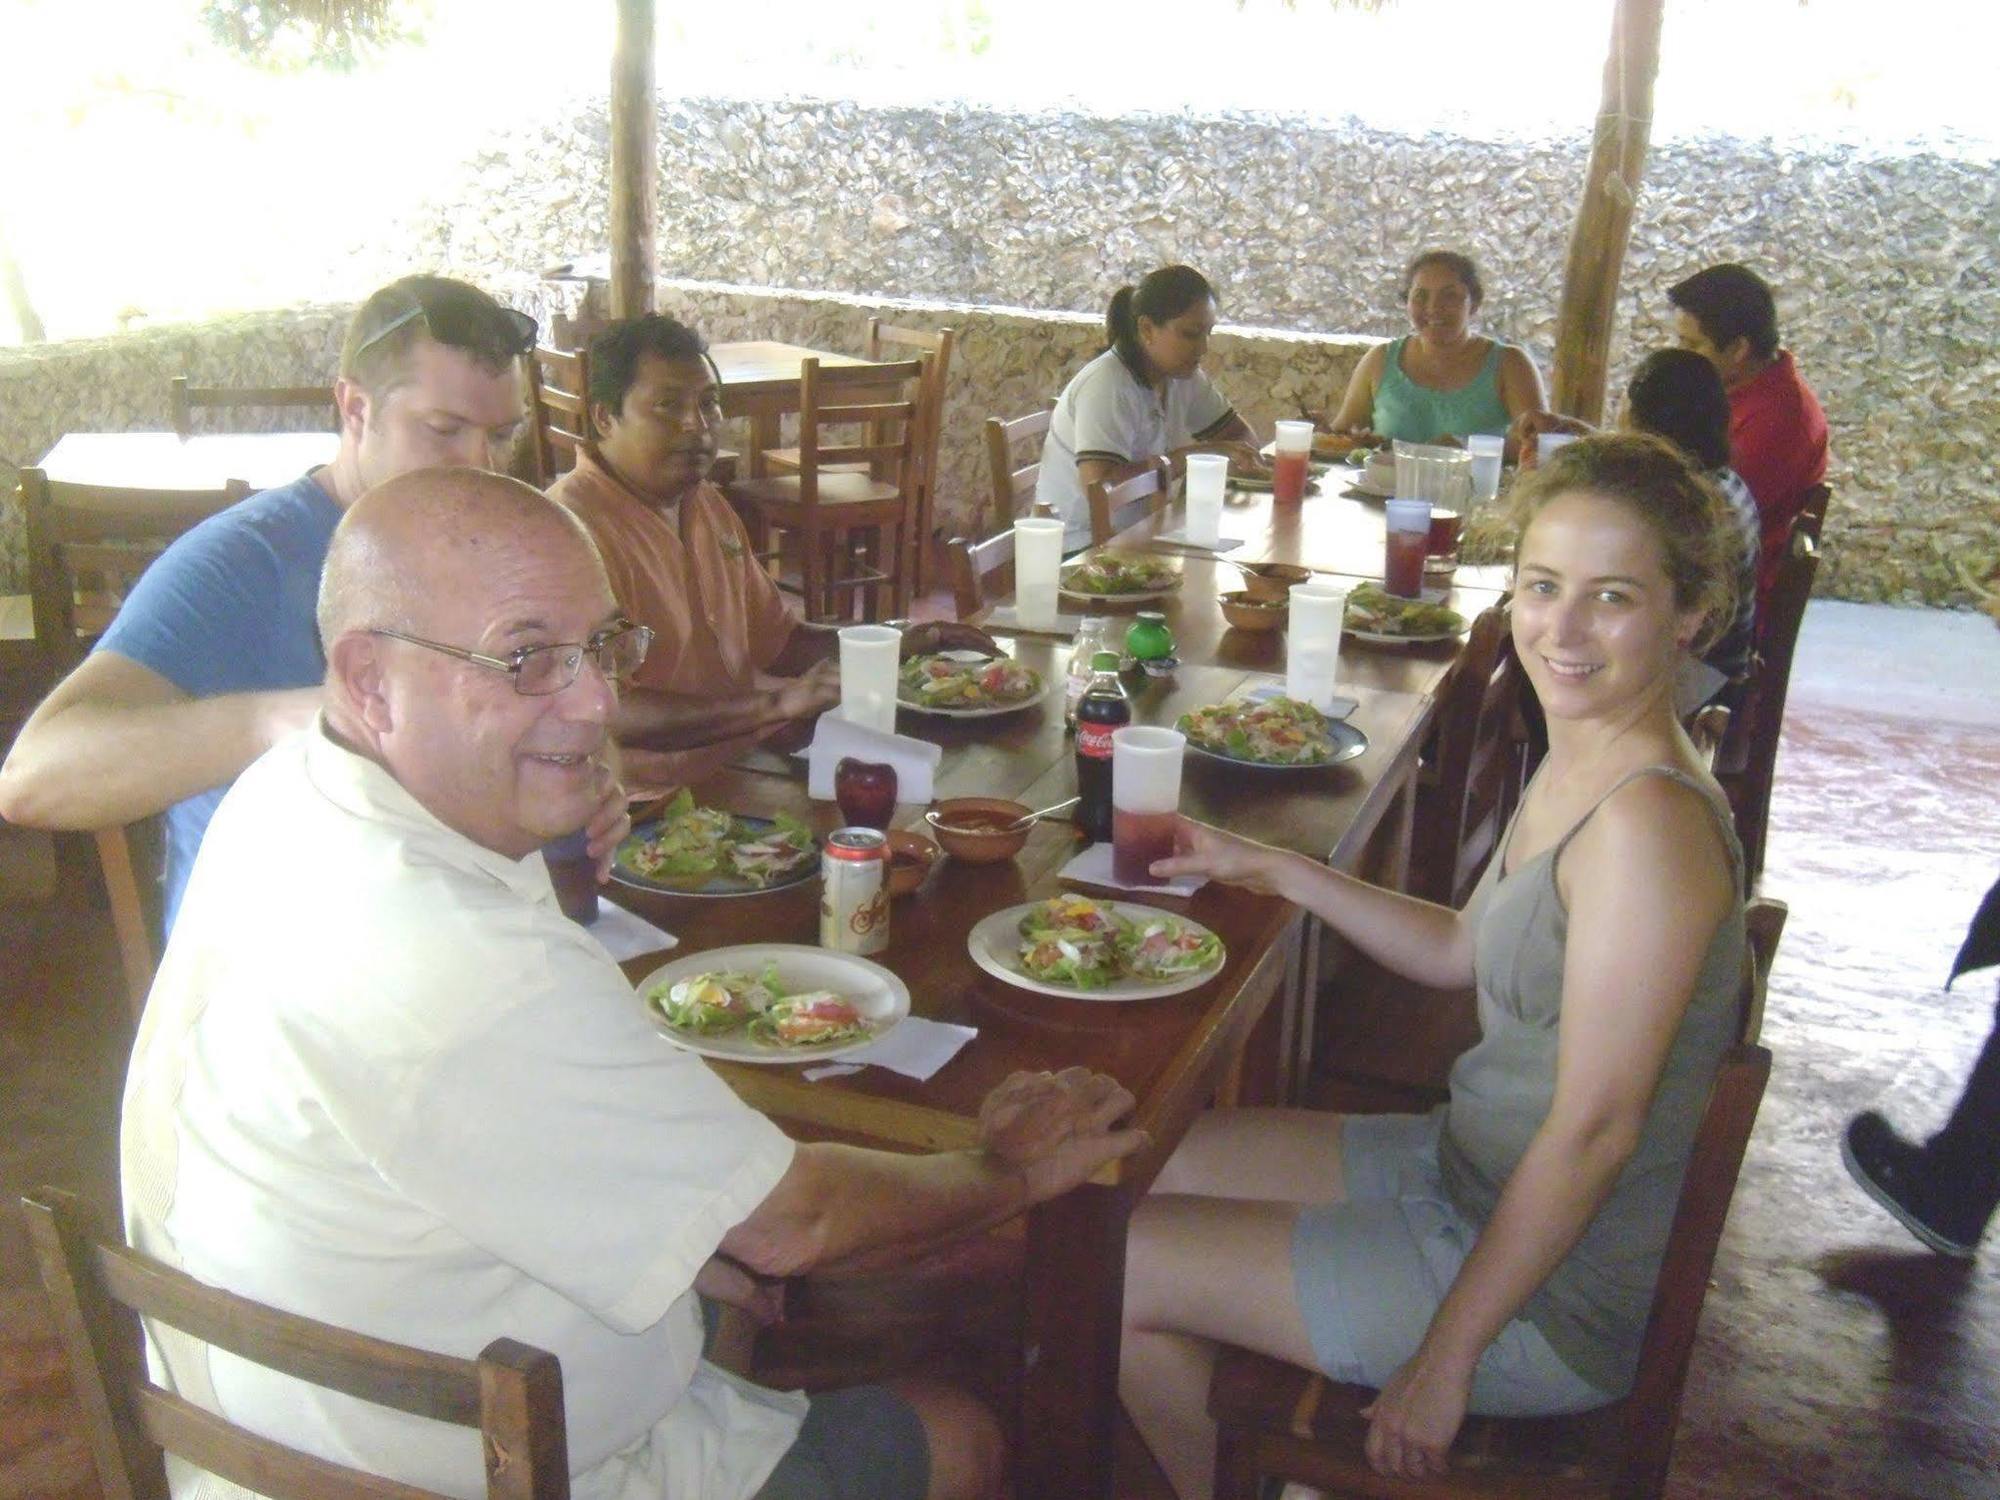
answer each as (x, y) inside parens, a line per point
(717, 617)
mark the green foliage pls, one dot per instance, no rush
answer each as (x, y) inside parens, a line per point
(291, 36)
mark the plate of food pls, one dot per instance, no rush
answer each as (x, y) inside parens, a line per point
(1374, 614)
(967, 685)
(774, 1002)
(1271, 734)
(690, 850)
(1120, 575)
(1095, 950)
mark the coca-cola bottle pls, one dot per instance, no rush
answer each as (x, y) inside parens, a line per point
(1103, 709)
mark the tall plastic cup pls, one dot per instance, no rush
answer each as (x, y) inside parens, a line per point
(1547, 443)
(1145, 798)
(1312, 643)
(1290, 454)
(1207, 478)
(868, 659)
(1405, 544)
(1037, 564)
(1486, 452)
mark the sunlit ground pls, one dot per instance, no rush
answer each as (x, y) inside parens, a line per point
(150, 172)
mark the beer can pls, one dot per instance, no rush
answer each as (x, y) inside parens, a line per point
(853, 891)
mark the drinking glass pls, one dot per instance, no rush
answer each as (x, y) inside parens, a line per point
(1405, 543)
(1037, 563)
(1145, 799)
(574, 875)
(1312, 644)
(1290, 452)
(1547, 443)
(1207, 478)
(868, 659)
(1486, 454)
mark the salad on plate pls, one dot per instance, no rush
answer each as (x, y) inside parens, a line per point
(1270, 732)
(1120, 573)
(1073, 940)
(689, 846)
(947, 680)
(1373, 610)
(727, 1001)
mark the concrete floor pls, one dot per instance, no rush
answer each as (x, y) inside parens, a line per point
(1837, 1361)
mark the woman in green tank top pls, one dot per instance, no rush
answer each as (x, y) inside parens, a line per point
(1498, 1255)
(1441, 380)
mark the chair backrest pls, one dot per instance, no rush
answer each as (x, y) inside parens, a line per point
(511, 1393)
(881, 400)
(980, 571)
(1812, 511)
(1113, 507)
(185, 397)
(885, 342)
(1652, 1411)
(1013, 488)
(559, 387)
(1763, 925)
(1474, 780)
(1748, 753)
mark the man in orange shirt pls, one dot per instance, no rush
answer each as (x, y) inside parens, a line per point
(730, 664)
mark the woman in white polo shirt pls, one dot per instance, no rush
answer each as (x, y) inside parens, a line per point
(1143, 397)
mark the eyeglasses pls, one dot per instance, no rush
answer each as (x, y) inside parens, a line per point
(541, 670)
(461, 321)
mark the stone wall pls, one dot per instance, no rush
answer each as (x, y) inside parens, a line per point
(1887, 266)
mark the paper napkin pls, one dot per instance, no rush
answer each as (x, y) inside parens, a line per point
(1180, 538)
(834, 739)
(1093, 867)
(1004, 619)
(914, 1047)
(625, 934)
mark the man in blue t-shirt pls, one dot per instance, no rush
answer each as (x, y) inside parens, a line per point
(216, 655)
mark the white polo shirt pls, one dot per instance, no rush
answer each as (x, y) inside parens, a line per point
(1106, 412)
(383, 1082)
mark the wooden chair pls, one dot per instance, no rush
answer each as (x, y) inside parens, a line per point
(512, 1394)
(1745, 758)
(1113, 507)
(980, 571)
(559, 406)
(87, 544)
(1471, 779)
(1278, 1420)
(185, 397)
(852, 525)
(1811, 518)
(1014, 488)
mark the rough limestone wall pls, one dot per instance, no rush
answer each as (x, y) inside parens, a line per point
(1888, 268)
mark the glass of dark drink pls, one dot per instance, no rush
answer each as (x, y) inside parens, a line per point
(1145, 800)
(574, 875)
(865, 791)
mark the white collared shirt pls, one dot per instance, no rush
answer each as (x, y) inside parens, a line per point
(383, 1082)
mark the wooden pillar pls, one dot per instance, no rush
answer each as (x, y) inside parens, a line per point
(635, 160)
(1604, 217)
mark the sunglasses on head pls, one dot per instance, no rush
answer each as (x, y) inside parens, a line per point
(459, 322)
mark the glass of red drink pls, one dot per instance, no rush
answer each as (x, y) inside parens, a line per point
(865, 791)
(1288, 462)
(1145, 799)
(1405, 542)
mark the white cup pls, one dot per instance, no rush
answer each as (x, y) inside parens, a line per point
(1312, 643)
(869, 655)
(1547, 443)
(1146, 768)
(1037, 568)
(1294, 437)
(1207, 478)
(1486, 452)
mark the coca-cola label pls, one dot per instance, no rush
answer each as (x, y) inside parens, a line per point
(1094, 740)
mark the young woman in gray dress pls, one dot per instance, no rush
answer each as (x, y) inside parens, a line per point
(1497, 1255)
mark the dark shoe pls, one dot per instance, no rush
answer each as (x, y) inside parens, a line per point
(1897, 1175)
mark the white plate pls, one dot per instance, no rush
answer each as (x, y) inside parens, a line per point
(1349, 743)
(995, 945)
(1377, 638)
(872, 989)
(982, 711)
(1359, 483)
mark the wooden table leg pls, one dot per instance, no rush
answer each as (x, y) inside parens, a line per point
(1069, 1388)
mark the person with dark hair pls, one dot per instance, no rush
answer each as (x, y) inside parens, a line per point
(1441, 380)
(1498, 1255)
(1143, 398)
(731, 665)
(215, 654)
(1777, 432)
(1946, 1190)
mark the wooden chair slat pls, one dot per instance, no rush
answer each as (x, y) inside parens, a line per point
(558, 409)
(183, 397)
(1113, 507)
(258, 1464)
(980, 571)
(1013, 488)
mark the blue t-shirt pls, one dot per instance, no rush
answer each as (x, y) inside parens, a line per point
(230, 608)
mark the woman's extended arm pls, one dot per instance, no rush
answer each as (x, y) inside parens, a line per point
(1427, 943)
(1357, 407)
(1635, 946)
(1520, 386)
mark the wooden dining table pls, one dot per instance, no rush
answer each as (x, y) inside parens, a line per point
(168, 461)
(760, 386)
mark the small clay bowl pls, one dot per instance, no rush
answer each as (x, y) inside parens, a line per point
(969, 828)
(1248, 613)
(1272, 582)
(911, 856)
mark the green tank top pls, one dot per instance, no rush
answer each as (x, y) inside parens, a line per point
(1417, 414)
(1592, 1309)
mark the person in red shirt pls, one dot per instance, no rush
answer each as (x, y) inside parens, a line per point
(1777, 432)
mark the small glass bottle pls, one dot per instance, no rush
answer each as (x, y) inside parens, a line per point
(1089, 641)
